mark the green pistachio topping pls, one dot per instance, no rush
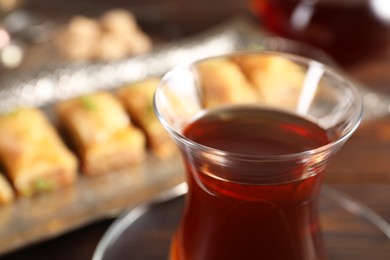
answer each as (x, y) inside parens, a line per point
(42, 185)
(88, 103)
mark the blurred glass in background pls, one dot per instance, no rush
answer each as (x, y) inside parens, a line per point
(349, 30)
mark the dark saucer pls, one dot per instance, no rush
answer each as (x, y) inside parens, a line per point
(145, 232)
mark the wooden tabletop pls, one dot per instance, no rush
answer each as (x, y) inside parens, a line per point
(361, 169)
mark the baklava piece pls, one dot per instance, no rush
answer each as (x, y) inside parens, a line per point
(114, 35)
(101, 133)
(32, 153)
(277, 80)
(6, 191)
(77, 41)
(223, 82)
(121, 30)
(138, 101)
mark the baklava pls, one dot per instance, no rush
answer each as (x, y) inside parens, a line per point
(138, 101)
(101, 132)
(6, 191)
(33, 154)
(223, 82)
(276, 79)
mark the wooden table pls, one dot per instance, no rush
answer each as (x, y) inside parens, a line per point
(361, 169)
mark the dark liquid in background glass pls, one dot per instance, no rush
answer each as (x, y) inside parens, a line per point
(237, 220)
(349, 30)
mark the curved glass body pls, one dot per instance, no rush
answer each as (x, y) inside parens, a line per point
(256, 131)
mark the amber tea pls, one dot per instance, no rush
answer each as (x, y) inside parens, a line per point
(238, 220)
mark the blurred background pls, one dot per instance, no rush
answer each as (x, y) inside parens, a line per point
(354, 32)
(349, 30)
(30, 28)
(35, 34)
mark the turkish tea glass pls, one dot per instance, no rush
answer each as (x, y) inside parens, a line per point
(256, 131)
(323, 23)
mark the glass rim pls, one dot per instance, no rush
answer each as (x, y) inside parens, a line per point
(355, 120)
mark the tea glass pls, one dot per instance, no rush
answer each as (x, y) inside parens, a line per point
(265, 206)
(323, 23)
